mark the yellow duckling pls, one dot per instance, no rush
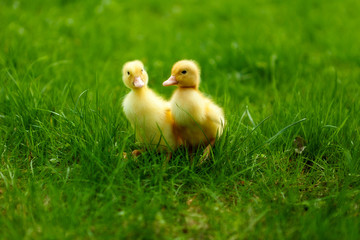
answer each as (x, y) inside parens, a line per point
(197, 118)
(148, 113)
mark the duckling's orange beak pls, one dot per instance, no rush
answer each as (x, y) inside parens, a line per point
(138, 82)
(171, 81)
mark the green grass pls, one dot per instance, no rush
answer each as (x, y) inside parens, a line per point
(280, 69)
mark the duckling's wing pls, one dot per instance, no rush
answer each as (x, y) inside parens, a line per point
(215, 114)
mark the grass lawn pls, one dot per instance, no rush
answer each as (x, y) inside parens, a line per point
(287, 74)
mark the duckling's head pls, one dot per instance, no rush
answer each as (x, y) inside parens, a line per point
(134, 75)
(185, 74)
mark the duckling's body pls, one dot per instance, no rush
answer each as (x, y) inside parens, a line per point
(147, 112)
(198, 119)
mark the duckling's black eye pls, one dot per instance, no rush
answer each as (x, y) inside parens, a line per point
(128, 73)
(184, 72)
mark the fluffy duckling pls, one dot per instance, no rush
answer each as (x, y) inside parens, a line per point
(147, 112)
(197, 118)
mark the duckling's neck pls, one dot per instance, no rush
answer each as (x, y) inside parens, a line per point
(140, 91)
(189, 87)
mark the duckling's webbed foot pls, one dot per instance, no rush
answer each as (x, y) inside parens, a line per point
(206, 153)
(168, 157)
(137, 152)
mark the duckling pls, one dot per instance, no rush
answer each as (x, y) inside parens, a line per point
(198, 119)
(148, 113)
